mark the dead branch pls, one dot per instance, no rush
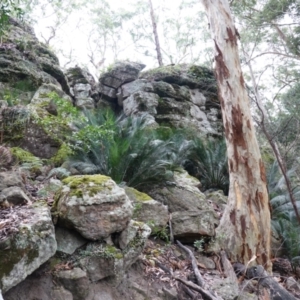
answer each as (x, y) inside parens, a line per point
(207, 294)
(198, 275)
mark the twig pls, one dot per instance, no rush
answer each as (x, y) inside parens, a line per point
(198, 275)
(171, 229)
(199, 289)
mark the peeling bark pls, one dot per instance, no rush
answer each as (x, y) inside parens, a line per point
(244, 230)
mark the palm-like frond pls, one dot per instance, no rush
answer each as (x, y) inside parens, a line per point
(284, 221)
(126, 150)
(209, 164)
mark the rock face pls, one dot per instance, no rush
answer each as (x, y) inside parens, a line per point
(93, 205)
(29, 71)
(83, 87)
(26, 63)
(179, 96)
(32, 245)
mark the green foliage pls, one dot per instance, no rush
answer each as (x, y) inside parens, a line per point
(126, 150)
(208, 163)
(284, 221)
(27, 160)
(23, 156)
(198, 244)
(58, 126)
(161, 233)
(62, 154)
(8, 8)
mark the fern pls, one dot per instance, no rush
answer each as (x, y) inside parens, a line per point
(284, 221)
(208, 162)
(126, 150)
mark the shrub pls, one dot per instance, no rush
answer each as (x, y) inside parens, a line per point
(126, 150)
(208, 162)
(284, 221)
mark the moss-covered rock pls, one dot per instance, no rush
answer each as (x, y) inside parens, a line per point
(147, 210)
(25, 62)
(32, 245)
(94, 205)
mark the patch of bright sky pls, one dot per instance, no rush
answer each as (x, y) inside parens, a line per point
(71, 39)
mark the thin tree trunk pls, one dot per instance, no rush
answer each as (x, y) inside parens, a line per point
(154, 27)
(244, 230)
(273, 144)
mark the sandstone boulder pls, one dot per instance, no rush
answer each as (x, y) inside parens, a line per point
(148, 210)
(32, 245)
(180, 195)
(93, 205)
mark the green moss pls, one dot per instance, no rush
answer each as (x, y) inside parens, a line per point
(138, 196)
(23, 156)
(20, 247)
(91, 184)
(171, 70)
(62, 154)
(106, 252)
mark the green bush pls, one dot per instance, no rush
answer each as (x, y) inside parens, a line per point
(284, 221)
(126, 150)
(208, 162)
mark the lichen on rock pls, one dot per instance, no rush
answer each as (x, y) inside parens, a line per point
(93, 205)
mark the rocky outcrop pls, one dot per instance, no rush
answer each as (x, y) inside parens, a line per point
(93, 205)
(178, 96)
(26, 63)
(83, 87)
(29, 71)
(32, 245)
(120, 73)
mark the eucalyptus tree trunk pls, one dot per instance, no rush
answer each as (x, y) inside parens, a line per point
(156, 39)
(244, 230)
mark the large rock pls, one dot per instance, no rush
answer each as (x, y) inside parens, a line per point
(68, 241)
(83, 87)
(21, 128)
(33, 244)
(101, 260)
(41, 96)
(26, 63)
(13, 196)
(147, 210)
(93, 205)
(189, 226)
(181, 195)
(75, 281)
(121, 72)
(10, 179)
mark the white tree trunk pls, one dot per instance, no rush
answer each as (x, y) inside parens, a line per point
(244, 230)
(156, 39)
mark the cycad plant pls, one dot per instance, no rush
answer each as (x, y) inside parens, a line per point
(126, 149)
(284, 221)
(208, 162)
